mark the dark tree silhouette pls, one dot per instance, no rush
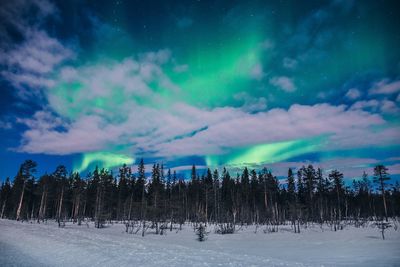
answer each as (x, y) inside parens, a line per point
(162, 200)
(380, 178)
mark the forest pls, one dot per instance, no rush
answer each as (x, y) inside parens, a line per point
(162, 200)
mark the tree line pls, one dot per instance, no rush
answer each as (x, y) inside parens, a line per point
(163, 198)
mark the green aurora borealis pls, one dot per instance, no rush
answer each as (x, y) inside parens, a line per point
(220, 83)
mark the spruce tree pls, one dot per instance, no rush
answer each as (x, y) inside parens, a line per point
(337, 180)
(380, 177)
(20, 182)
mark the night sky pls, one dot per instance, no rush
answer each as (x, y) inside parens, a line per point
(213, 83)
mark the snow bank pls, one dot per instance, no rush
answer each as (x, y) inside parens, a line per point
(32, 244)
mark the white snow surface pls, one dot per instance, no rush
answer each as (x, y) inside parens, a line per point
(32, 244)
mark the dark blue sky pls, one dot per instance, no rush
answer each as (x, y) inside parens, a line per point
(213, 83)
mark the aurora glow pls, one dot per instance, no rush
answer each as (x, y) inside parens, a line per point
(215, 83)
(104, 159)
(265, 153)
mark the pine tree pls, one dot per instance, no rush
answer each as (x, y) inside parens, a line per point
(249, 198)
(216, 195)
(337, 180)
(44, 183)
(201, 232)
(24, 174)
(141, 190)
(78, 187)
(291, 196)
(308, 176)
(123, 191)
(254, 195)
(5, 197)
(244, 187)
(321, 189)
(60, 175)
(155, 192)
(208, 186)
(380, 177)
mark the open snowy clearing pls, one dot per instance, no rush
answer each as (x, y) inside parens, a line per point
(32, 244)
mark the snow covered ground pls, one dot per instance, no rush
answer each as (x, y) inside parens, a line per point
(32, 244)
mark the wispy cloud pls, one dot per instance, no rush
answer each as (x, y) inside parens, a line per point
(257, 72)
(30, 63)
(138, 104)
(284, 83)
(383, 106)
(27, 64)
(289, 63)
(385, 87)
(353, 93)
(16, 16)
(250, 103)
(102, 111)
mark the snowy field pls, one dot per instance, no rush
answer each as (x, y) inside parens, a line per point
(31, 244)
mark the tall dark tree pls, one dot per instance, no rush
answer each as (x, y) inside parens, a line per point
(337, 180)
(124, 176)
(44, 184)
(77, 186)
(5, 196)
(249, 198)
(60, 175)
(25, 173)
(141, 189)
(216, 195)
(380, 177)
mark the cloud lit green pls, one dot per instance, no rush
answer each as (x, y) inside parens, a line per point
(102, 159)
(257, 83)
